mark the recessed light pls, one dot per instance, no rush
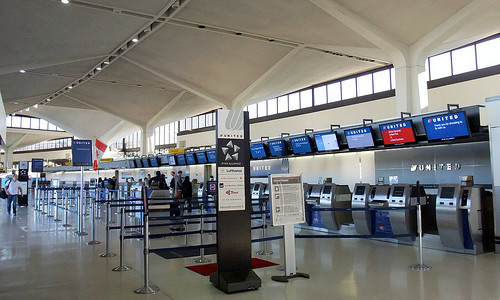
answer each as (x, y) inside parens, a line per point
(70, 87)
(65, 1)
(98, 68)
(27, 109)
(135, 40)
(16, 103)
(106, 62)
(35, 106)
(22, 71)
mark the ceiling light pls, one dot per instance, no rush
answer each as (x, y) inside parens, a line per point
(135, 40)
(70, 87)
(106, 62)
(15, 102)
(27, 109)
(22, 71)
(35, 106)
(98, 68)
(65, 1)
(48, 99)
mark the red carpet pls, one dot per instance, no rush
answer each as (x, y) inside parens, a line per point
(208, 269)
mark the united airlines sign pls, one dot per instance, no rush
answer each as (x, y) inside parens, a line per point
(435, 167)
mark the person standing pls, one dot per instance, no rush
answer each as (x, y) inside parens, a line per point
(187, 192)
(13, 187)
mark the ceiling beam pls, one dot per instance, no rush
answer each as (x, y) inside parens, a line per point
(244, 96)
(66, 127)
(155, 120)
(188, 86)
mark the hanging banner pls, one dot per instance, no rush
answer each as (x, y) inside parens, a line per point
(100, 148)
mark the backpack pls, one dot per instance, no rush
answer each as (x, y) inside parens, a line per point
(3, 192)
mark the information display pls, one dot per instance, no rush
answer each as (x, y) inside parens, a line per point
(131, 163)
(153, 161)
(277, 148)
(444, 127)
(81, 152)
(171, 160)
(258, 151)
(359, 138)
(23, 165)
(37, 165)
(397, 133)
(212, 156)
(231, 188)
(201, 157)
(138, 162)
(301, 145)
(287, 202)
(190, 160)
(326, 141)
(181, 159)
(145, 162)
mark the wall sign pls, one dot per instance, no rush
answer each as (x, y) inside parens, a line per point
(287, 202)
(263, 168)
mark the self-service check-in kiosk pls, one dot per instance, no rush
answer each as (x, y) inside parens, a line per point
(362, 219)
(379, 198)
(312, 194)
(335, 196)
(404, 221)
(464, 218)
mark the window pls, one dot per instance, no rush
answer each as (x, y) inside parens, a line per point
(365, 85)
(440, 66)
(488, 54)
(44, 125)
(463, 60)
(320, 95)
(252, 111)
(272, 106)
(293, 101)
(282, 104)
(16, 122)
(262, 109)
(348, 88)
(334, 93)
(381, 81)
(195, 122)
(52, 126)
(35, 123)
(25, 122)
(210, 118)
(201, 121)
(306, 98)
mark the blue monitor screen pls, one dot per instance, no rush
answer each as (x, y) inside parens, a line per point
(145, 162)
(153, 162)
(258, 150)
(327, 141)
(181, 159)
(211, 156)
(301, 145)
(171, 160)
(131, 164)
(202, 158)
(447, 126)
(190, 159)
(138, 162)
(277, 148)
(359, 138)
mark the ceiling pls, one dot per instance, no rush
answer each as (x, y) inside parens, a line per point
(195, 56)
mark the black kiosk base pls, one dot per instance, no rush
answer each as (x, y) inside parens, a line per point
(236, 281)
(285, 278)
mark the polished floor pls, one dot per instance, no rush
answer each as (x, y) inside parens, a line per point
(39, 259)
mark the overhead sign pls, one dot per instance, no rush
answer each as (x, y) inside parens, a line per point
(262, 168)
(82, 152)
(176, 150)
(23, 165)
(287, 202)
(230, 124)
(37, 165)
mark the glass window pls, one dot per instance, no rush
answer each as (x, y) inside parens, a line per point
(306, 98)
(365, 85)
(16, 122)
(8, 122)
(162, 134)
(210, 120)
(348, 88)
(320, 95)
(262, 109)
(293, 101)
(157, 136)
(44, 124)
(440, 66)
(26, 122)
(381, 81)
(52, 127)
(393, 78)
(334, 93)
(35, 123)
(272, 106)
(282, 104)
(252, 111)
(182, 124)
(201, 121)
(488, 54)
(195, 122)
(464, 60)
(188, 123)
(174, 133)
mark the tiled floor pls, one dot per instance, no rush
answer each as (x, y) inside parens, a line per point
(41, 260)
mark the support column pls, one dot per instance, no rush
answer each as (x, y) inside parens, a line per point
(411, 88)
(8, 157)
(147, 142)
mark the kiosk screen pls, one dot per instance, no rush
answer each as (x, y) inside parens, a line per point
(190, 160)
(398, 191)
(397, 133)
(447, 192)
(326, 141)
(327, 189)
(360, 190)
(444, 127)
(202, 157)
(301, 145)
(359, 138)
(258, 150)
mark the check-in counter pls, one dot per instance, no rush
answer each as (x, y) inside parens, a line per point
(464, 218)
(335, 196)
(404, 221)
(312, 193)
(362, 219)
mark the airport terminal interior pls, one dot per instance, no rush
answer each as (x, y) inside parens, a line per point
(288, 149)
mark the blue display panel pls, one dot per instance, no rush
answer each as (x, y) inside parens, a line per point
(201, 157)
(190, 160)
(171, 160)
(397, 133)
(447, 126)
(153, 161)
(131, 163)
(82, 152)
(301, 145)
(212, 156)
(277, 148)
(138, 162)
(258, 150)
(359, 138)
(145, 162)
(181, 159)
(327, 141)
(37, 165)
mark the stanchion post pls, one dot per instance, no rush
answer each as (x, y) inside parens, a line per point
(264, 231)
(420, 266)
(146, 289)
(202, 258)
(56, 218)
(122, 267)
(80, 231)
(49, 213)
(65, 200)
(108, 253)
(92, 241)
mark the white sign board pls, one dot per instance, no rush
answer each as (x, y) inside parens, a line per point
(231, 182)
(230, 124)
(287, 199)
